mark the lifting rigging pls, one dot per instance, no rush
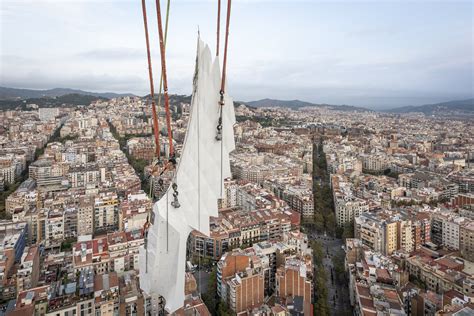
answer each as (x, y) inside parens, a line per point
(152, 95)
(150, 76)
(159, 166)
(164, 78)
(222, 90)
(157, 163)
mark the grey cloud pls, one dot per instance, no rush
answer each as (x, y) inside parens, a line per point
(123, 53)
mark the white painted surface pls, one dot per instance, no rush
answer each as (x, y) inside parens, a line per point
(200, 184)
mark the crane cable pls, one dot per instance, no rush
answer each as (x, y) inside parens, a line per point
(150, 76)
(224, 65)
(159, 106)
(155, 119)
(165, 167)
(164, 78)
(166, 38)
(222, 89)
(154, 112)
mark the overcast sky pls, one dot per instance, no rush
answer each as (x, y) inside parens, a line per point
(372, 53)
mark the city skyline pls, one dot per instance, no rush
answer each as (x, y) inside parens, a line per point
(378, 55)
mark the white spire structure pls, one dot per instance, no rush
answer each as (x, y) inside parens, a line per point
(203, 164)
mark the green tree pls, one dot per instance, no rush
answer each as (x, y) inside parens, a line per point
(321, 305)
(224, 309)
(210, 297)
(66, 245)
(339, 269)
(331, 224)
(318, 222)
(348, 230)
(318, 252)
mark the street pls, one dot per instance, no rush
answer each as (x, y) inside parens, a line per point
(338, 295)
(202, 280)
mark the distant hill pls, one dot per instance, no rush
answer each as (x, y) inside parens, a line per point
(296, 104)
(72, 99)
(278, 103)
(15, 94)
(450, 107)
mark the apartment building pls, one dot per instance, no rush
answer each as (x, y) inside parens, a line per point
(29, 269)
(134, 211)
(466, 240)
(245, 290)
(348, 207)
(106, 212)
(123, 248)
(141, 148)
(84, 175)
(421, 229)
(31, 302)
(115, 252)
(406, 239)
(131, 301)
(373, 281)
(442, 274)
(23, 197)
(106, 294)
(8, 170)
(374, 162)
(294, 279)
(92, 254)
(368, 229)
(451, 232)
(463, 199)
(230, 197)
(283, 268)
(53, 228)
(385, 232)
(131, 125)
(49, 175)
(93, 294)
(229, 264)
(13, 235)
(236, 228)
(46, 114)
(85, 215)
(445, 229)
(300, 200)
(464, 179)
(297, 192)
(258, 167)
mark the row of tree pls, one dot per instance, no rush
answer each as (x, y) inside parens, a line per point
(320, 306)
(211, 299)
(324, 219)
